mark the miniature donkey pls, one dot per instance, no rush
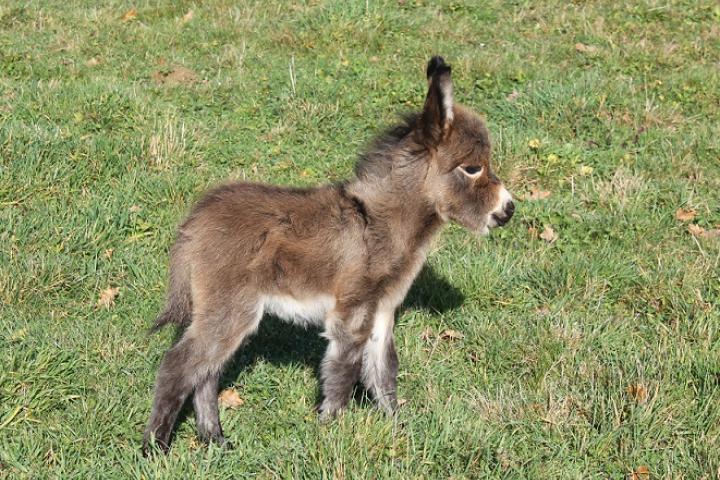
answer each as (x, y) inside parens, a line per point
(342, 256)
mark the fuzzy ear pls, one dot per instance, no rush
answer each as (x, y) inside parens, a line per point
(437, 115)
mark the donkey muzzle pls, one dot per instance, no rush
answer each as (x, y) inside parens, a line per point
(505, 215)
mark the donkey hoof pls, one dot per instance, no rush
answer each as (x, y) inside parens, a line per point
(328, 415)
(149, 449)
(223, 443)
(217, 440)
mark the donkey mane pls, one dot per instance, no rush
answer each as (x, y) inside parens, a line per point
(379, 158)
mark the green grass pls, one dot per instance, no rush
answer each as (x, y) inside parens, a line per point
(553, 334)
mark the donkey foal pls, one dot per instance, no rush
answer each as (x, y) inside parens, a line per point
(342, 256)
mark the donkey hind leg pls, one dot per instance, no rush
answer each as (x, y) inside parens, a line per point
(207, 416)
(339, 371)
(197, 357)
(380, 362)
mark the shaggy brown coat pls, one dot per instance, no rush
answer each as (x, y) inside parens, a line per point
(341, 256)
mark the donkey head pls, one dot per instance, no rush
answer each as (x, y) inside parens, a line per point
(459, 180)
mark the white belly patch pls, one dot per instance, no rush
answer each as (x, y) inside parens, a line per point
(305, 311)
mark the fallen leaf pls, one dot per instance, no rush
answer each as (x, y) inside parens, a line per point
(177, 76)
(696, 230)
(19, 335)
(582, 48)
(135, 208)
(401, 402)
(450, 334)
(685, 215)
(474, 357)
(537, 194)
(548, 234)
(513, 96)
(107, 254)
(640, 473)
(50, 457)
(427, 334)
(107, 297)
(229, 398)
(130, 15)
(638, 393)
(585, 170)
(93, 62)
(188, 16)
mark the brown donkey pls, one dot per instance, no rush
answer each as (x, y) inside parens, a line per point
(341, 256)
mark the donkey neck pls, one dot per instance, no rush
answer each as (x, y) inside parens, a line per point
(399, 209)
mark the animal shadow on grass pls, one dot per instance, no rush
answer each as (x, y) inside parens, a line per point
(282, 343)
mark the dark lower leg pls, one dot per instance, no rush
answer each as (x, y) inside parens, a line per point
(340, 371)
(207, 417)
(195, 363)
(172, 389)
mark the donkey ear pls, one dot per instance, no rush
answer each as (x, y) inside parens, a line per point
(437, 115)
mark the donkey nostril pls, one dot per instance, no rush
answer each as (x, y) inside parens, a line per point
(509, 209)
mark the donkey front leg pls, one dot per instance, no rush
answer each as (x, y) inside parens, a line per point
(339, 371)
(380, 362)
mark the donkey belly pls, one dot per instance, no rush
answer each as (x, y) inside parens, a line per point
(303, 311)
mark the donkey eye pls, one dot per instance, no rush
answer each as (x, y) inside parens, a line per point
(471, 170)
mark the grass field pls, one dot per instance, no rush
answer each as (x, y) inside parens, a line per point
(596, 355)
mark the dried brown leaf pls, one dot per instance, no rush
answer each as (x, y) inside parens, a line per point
(177, 76)
(696, 230)
(188, 16)
(513, 96)
(130, 15)
(582, 48)
(640, 473)
(537, 194)
(107, 254)
(638, 392)
(92, 62)
(229, 398)
(548, 234)
(450, 334)
(685, 215)
(135, 208)
(107, 297)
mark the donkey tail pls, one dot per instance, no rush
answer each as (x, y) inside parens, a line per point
(178, 306)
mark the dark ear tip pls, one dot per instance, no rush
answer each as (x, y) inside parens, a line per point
(437, 66)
